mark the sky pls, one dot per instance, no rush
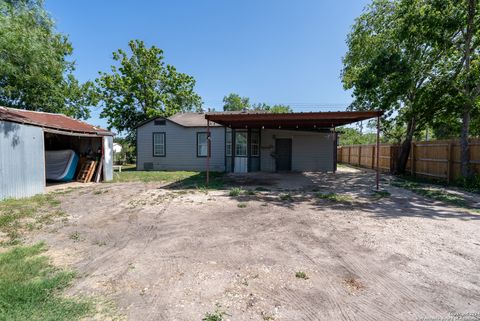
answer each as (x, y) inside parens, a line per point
(272, 51)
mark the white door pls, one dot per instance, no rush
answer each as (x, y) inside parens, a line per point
(240, 164)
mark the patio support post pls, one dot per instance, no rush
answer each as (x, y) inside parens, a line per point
(208, 153)
(378, 153)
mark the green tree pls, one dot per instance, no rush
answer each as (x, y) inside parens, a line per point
(233, 102)
(143, 86)
(34, 71)
(275, 109)
(394, 53)
(260, 107)
(280, 109)
(463, 62)
(353, 136)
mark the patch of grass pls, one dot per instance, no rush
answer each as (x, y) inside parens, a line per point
(179, 179)
(100, 243)
(242, 205)
(432, 193)
(152, 176)
(261, 189)
(215, 316)
(75, 236)
(65, 191)
(236, 191)
(381, 194)
(334, 197)
(267, 317)
(340, 165)
(287, 197)
(301, 275)
(17, 214)
(30, 288)
(353, 284)
(471, 184)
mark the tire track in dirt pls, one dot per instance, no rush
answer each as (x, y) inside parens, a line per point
(337, 309)
(169, 264)
(127, 235)
(341, 310)
(374, 274)
(352, 266)
(338, 297)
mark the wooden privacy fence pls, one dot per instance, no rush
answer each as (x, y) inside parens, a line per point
(438, 159)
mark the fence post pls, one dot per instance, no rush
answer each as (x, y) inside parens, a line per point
(391, 158)
(349, 153)
(373, 156)
(449, 162)
(360, 155)
(412, 159)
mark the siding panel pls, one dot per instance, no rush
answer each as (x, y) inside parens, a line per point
(181, 148)
(22, 160)
(311, 151)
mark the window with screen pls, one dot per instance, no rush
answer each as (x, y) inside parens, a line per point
(241, 144)
(202, 144)
(255, 144)
(228, 142)
(158, 144)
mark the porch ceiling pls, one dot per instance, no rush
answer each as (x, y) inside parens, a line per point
(290, 120)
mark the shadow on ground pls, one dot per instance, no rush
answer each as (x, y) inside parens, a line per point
(348, 189)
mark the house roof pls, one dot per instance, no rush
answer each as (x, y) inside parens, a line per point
(57, 122)
(308, 120)
(191, 120)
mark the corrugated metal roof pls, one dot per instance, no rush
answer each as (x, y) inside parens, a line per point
(53, 121)
(291, 120)
(266, 119)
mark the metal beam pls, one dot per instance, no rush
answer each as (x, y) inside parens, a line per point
(378, 153)
(208, 153)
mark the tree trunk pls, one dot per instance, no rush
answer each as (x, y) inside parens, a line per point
(465, 148)
(402, 157)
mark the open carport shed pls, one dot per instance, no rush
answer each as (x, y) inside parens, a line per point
(294, 141)
(25, 136)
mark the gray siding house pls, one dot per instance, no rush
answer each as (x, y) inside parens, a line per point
(180, 143)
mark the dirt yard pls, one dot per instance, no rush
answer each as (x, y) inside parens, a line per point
(161, 253)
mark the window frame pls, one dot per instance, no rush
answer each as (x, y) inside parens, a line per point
(243, 132)
(164, 144)
(228, 133)
(159, 122)
(257, 144)
(208, 148)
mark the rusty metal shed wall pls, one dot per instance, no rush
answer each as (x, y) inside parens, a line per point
(22, 160)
